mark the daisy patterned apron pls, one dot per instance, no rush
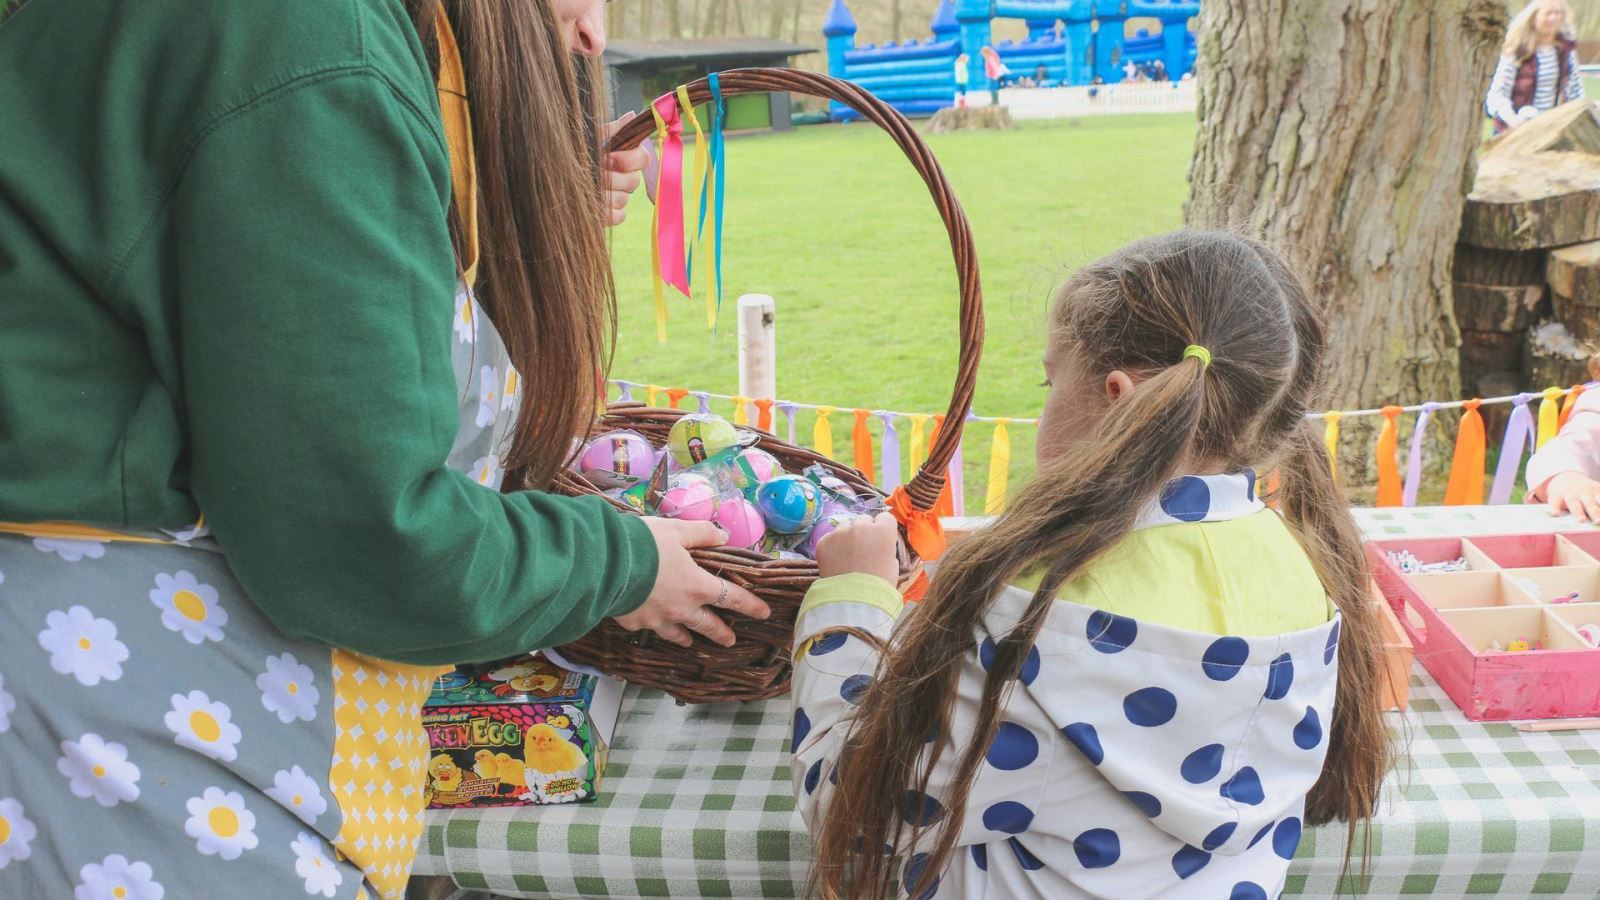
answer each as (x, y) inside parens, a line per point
(160, 738)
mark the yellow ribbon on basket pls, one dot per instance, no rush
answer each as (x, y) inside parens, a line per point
(701, 156)
(822, 434)
(994, 501)
(1330, 438)
(1549, 416)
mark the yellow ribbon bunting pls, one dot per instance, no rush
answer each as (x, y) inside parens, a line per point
(1549, 416)
(919, 441)
(1330, 437)
(994, 502)
(822, 435)
(741, 410)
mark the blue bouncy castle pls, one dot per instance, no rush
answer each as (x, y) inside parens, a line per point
(1078, 42)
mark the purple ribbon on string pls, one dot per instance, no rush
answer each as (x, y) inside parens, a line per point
(627, 392)
(1414, 461)
(890, 479)
(1519, 429)
(788, 415)
(957, 472)
(705, 402)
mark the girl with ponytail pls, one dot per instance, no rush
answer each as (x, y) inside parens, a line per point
(1139, 681)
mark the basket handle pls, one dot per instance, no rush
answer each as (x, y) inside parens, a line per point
(925, 486)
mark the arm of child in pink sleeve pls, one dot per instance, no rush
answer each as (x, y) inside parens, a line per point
(1575, 449)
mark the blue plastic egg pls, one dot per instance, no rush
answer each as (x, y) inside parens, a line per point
(790, 504)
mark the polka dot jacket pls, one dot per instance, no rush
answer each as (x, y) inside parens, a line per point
(1134, 759)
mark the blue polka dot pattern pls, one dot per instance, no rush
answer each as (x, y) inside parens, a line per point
(1029, 862)
(1332, 645)
(980, 857)
(1189, 860)
(1083, 736)
(1008, 817)
(802, 727)
(813, 775)
(1308, 734)
(1110, 633)
(1186, 499)
(1247, 890)
(1030, 665)
(915, 868)
(1280, 675)
(1147, 803)
(854, 687)
(1202, 765)
(1224, 658)
(828, 643)
(1150, 707)
(1219, 835)
(1014, 747)
(1286, 837)
(1245, 787)
(1259, 835)
(920, 809)
(1097, 848)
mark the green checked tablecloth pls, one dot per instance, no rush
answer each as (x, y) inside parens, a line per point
(696, 801)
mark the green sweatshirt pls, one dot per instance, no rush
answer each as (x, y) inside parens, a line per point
(226, 284)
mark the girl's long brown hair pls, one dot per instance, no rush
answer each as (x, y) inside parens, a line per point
(545, 270)
(1137, 311)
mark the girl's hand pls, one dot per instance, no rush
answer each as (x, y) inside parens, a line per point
(866, 546)
(1576, 493)
(622, 173)
(685, 594)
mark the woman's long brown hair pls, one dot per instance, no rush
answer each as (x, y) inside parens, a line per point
(1137, 311)
(545, 269)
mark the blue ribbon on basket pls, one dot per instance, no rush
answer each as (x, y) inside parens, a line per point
(712, 183)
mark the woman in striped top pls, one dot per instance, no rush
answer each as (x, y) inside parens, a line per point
(1538, 68)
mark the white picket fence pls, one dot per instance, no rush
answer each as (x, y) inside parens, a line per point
(1094, 100)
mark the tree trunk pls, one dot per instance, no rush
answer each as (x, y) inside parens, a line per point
(1343, 131)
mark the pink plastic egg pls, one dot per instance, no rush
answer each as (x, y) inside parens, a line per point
(621, 452)
(690, 496)
(739, 518)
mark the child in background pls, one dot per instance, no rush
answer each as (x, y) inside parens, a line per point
(1133, 683)
(1563, 471)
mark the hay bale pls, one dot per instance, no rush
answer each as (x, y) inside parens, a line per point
(963, 118)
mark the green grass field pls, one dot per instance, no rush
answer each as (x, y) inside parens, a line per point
(834, 223)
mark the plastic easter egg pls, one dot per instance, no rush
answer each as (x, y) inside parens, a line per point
(825, 526)
(753, 468)
(695, 437)
(690, 496)
(744, 525)
(789, 503)
(620, 452)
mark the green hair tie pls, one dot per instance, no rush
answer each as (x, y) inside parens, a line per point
(1195, 351)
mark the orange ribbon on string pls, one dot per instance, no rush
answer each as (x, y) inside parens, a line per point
(676, 395)
(1390, 490)
(764, 417)
(1465, 487)
(924, 531)
(861, 441)
(1567, 407)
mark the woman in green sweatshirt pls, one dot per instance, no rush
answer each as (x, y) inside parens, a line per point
(258, 389)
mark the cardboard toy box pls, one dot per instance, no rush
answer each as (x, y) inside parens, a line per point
(521, 732)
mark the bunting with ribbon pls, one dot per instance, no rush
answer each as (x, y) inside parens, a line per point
(764, 415)
(1519, 432)
(675, 396)
(890, 477)
(703, 401)
(741, 410)
(1414, 460)
(919, 438)
(788, 414)
(1330, 437)
(822, 432)
(994, 501)
(1570, 404)
(1390, 492)
(1549, 416)
(861, 442)
(1465, 487)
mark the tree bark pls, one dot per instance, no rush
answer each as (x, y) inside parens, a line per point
(1574, 273)
(1343, 131)
(1539, 185)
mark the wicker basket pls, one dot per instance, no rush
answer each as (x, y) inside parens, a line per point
(758, 665)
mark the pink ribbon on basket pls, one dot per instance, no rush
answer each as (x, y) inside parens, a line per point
(669, 194)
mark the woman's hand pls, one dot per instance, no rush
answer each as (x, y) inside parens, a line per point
(622, 173)
(868, 546)
(1576, 493)
(685, 594)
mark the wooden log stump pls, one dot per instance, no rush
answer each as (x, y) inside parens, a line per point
(1481, 265)
(1483, 307)
(1574, 273)
(1539, 185)
(961, 118)
(1582, 321)
(1486, 353)
(1555, 358)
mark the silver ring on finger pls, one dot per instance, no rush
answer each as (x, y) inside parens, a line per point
(722, 595)
(700, 621)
